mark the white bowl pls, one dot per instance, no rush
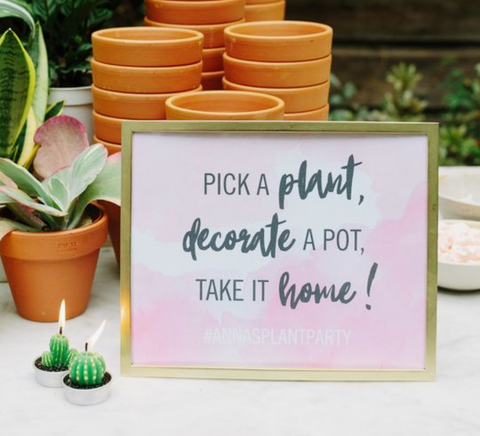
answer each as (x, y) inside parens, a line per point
(459, 276)
(459, 196)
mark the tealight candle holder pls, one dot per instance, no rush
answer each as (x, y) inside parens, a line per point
(88, 381)
(52, 366)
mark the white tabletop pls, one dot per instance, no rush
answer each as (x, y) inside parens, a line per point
(449, 406)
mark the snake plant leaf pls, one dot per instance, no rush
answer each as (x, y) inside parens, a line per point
(24, 199)
(11, 9)
(54, 110)
(17, 85)
(105, 187)
(7, 226)
(61, 140)
(26, 148)
(26, 182)
(68, 184)
(38, 53)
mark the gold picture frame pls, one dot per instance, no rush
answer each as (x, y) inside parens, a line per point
(344, 128)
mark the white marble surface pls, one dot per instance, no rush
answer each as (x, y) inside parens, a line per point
(450, 406)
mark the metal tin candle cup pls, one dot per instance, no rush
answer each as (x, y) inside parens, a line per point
(52, 366)
(88, 383)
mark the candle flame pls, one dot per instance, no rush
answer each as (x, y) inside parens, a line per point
(94, 338)
(61, 317)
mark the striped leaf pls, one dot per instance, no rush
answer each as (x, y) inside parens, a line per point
(38, 53)
(17, 86)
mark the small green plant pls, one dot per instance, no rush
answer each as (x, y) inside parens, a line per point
(67, 26)
(460, 133)
(400, 104)
(60, 356)
(73, 175)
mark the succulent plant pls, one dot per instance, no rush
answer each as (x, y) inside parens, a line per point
(60, 355)
(87, 369)
(73, 175)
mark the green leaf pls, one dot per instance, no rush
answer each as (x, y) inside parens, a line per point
(25, 200)
(26, 182)
(27, 216)
(12, 9)
(105, 187)
(26, 148)
(38, 53)
(71, 182)
(54, 110)
(17, 85)
(7, 226)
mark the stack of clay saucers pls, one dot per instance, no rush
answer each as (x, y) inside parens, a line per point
(208, 17)
(135, 70)
(287, 59)
(265, 10)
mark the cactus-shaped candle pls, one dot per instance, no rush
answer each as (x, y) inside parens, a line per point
(88, 368)
(52, 366)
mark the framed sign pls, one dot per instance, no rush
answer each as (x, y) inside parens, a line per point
(279, 251)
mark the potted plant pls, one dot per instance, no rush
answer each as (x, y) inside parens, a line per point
(50, 231)
(67, 27)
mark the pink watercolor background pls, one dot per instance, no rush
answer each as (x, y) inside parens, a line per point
(168, 320)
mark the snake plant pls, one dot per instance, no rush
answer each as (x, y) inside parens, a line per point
(74, 175)
(24, 86)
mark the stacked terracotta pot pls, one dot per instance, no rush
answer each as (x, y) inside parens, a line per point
(208, 17)
(265, 10)
(287, 59)
(135, 70)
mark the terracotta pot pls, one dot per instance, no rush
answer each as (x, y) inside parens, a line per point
(279, 41)
(224, 105)
(315, 115)
(195, 12)
(108, 128)
(213, 33)
(131, 106)
(111, 147)
(114, 228)
(296, 99)
(213, 59)
(212, 80)
(147, 47)
(146, 80)
(277, 74)
(257, 2)
(265, 11)
(45, 268)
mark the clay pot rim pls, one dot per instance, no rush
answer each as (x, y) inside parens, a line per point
(319, 110)
(292, 90)
(103, 36)
(323, 31)
(142, 70)
(97, 140)
(287, 64)
(203, 27)
(134, 95)
(100, 221)
(213, 50)
(115, 119)
(170, 103)
(204, 4)
(209, 74)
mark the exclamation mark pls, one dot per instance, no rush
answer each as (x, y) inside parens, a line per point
(371, 276)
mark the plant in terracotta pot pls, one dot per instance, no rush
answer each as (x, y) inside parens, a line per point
(67, 27)
(50, 231)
